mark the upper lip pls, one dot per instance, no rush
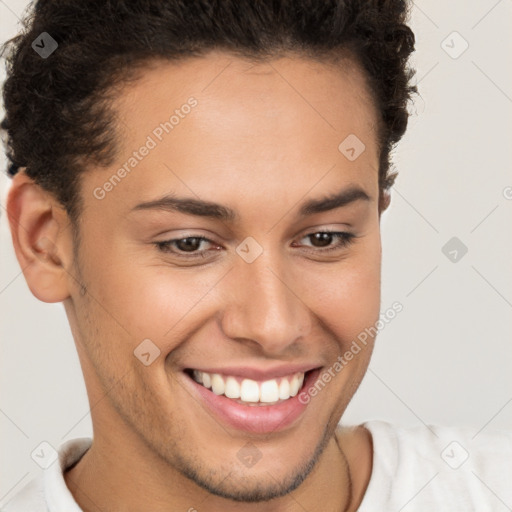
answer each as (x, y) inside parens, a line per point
(261, 374)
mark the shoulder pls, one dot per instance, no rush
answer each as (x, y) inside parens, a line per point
(450, 468)
(30, 497)
(453, 446)
(48, 491)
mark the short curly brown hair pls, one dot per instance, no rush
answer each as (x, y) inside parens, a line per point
(57, 115)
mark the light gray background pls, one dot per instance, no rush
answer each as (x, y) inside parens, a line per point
(445, 359)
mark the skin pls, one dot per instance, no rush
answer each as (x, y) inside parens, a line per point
(263, 139)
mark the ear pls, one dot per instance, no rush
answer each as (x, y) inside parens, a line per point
(42, 238)
(384, 201)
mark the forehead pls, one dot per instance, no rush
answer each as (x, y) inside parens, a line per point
(221, 124)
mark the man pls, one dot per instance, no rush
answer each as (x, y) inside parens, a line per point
(205, 199)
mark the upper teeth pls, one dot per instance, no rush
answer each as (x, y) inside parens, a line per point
(249, 390)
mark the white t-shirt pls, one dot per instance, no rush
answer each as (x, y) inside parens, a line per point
(427, 469)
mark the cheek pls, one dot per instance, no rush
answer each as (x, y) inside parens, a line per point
(347, 298)
(153, 302)
(157, 302)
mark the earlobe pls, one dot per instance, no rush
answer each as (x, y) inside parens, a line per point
(40, 238)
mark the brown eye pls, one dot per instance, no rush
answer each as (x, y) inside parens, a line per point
(188, 244)
(322, 239)
(186, 247)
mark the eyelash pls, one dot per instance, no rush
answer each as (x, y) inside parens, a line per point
(345, 239)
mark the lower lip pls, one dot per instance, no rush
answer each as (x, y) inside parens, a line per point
(260, 419)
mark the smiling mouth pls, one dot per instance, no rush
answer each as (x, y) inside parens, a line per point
(251, 392)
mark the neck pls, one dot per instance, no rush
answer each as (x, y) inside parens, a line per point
(109, 477)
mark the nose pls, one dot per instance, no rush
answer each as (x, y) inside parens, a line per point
(265, 306)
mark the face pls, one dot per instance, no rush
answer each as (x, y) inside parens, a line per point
(241, 296)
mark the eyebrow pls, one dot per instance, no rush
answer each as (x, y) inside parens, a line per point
(201, 208)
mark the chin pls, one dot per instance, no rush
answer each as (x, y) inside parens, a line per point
(261, 480)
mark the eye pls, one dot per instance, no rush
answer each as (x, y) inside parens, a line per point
(324, 238)
(187, 247)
